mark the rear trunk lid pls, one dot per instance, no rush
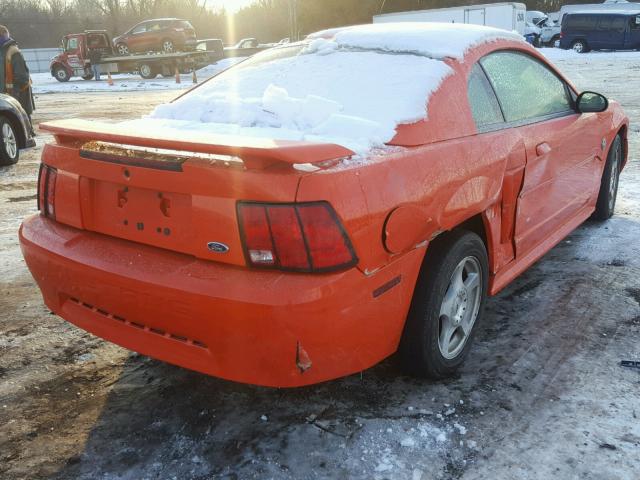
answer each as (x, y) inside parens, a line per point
(178, 194)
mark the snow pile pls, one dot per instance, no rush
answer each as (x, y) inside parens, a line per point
(433, 39)
(353, 89)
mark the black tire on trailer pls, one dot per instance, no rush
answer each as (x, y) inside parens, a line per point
(147, 71)
(608, 193)
(580, 46)
(447, 305)
(60, 73)
(9, 145)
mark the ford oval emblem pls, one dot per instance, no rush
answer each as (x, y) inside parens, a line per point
(217, 247)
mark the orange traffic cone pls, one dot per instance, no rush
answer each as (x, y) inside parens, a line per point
(193, 77)
(178, 80)
(109, 79)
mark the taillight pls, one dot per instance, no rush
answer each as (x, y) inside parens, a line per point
(47, 190)
(303, 237)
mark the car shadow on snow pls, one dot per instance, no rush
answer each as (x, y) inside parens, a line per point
(161, 421)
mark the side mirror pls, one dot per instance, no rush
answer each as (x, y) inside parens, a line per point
(591, 102)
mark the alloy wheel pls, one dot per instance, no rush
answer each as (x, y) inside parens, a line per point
(167, 46)
(460, 307)
(9, 141)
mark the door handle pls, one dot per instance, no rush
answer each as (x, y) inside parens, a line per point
(542, 149)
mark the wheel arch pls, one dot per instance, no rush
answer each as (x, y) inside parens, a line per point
(55, 65)
(486, 225)
(622, 131)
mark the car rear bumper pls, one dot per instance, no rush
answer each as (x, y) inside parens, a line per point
(260, 327)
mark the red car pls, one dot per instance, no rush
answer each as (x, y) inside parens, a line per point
(162, 34)
(289, 262)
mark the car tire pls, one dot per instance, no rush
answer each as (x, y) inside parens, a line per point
(447, 305)
(580, 46)
(88, 76)
(147, 71)
(608, 193)
(122, 49)
(9, 147)
(167, 46)
(61, 74)
(554, 39)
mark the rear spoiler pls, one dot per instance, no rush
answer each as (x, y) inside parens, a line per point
(255, 153)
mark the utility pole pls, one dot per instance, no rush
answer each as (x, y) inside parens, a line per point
(293, 20)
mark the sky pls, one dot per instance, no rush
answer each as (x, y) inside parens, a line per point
(230, 5)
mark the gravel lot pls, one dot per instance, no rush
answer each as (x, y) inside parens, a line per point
(542, 394)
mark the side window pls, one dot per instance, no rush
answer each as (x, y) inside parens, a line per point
(484, 105)
(590, 22)
(618, 24)
(139, 29)
(605, 23)
(72, 44)
(525, 87)
(581, 22)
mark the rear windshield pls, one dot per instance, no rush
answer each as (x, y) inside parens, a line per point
(314, 89)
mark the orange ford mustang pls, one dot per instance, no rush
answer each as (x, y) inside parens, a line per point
(286, 262)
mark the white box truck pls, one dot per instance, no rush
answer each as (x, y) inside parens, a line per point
(508, 16)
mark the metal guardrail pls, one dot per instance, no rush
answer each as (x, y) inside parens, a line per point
(38, 58)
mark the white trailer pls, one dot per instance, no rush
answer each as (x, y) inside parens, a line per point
(507, 16)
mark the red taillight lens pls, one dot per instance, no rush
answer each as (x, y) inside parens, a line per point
(47, 190)
(305, 237)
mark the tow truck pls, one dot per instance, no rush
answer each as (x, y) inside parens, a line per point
(74, 59)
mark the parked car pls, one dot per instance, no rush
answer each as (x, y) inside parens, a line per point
(245, 48)
(160, 35)
(15, 130)
(601, 30)
(549, 31)
(213, 47)
(288, 260)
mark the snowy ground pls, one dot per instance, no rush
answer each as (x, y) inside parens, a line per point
(45, 83)
(542, 395)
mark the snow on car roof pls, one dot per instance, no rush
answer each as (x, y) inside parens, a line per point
(351, 87)
(431, 39)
